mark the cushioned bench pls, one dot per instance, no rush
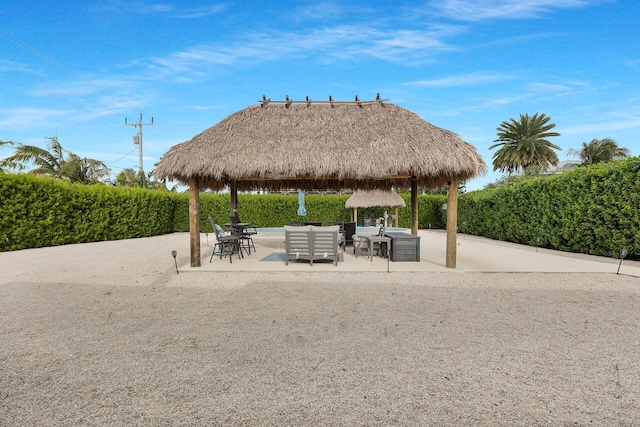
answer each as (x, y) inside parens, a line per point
(310, 242)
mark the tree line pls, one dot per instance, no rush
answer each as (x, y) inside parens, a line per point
(523, 146)
(57, 162)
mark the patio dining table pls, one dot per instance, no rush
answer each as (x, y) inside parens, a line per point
(238, 226)
(240, 229)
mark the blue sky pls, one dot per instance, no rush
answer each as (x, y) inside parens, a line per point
(80, 68)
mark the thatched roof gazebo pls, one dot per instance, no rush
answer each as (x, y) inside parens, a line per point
(319, 145)
(371, 198)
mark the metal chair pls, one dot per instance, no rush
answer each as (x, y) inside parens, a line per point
(245, 234)
(226, 245)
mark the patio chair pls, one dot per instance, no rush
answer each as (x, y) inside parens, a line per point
(226, 245)
(246, 234)
(360, 244)
(376, 245)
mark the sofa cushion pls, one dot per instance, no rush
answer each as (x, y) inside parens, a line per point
(297, 227)
(330, 228)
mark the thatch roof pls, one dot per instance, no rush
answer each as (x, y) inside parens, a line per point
(322, 146)
(371, 198)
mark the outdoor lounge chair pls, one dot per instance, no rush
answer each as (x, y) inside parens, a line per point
(226, 245)
(311, 243)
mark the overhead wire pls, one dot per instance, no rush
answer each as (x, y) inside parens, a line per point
(116, 161)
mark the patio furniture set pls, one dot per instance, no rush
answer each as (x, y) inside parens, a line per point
(313, 242)
(234, 240)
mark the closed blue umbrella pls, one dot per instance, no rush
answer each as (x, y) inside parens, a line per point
(301, 210)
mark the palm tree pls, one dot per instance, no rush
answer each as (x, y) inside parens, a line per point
(524, 143)
(6, 166)
(599, 150)
(129, 178)
(84, 170)
(52, 162)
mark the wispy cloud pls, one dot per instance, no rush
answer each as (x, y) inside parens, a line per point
(477, 10)
(151, 8)
(12, 66)
(344, 43)
(602, 128)
(202, 12)
(319, 11)
(546, 88)
(635, 64)
(462, 80)
(19, 117)
(142, 7)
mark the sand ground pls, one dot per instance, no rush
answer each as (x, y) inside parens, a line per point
(108, 334)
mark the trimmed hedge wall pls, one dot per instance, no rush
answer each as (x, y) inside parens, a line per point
(38, 211)
(592, 211)
(275, 210)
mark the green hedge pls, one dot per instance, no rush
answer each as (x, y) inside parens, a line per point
(274, 210)
(39, 212)
(592, 211)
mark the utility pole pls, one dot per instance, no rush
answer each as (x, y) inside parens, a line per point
(137, 140)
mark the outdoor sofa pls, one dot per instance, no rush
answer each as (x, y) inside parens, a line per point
(311, 242)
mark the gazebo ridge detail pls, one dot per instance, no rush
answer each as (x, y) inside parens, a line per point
(307, 102)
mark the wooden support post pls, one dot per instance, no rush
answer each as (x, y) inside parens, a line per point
(414, 206)
(194, 221)
(354, 216)
(452, 225)
(397, 210)
(233, 205)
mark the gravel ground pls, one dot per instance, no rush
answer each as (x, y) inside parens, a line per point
(322, 349)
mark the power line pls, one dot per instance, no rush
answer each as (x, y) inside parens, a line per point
(116, 161)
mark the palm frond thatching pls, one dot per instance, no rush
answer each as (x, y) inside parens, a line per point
(372, 198)
(322, 146)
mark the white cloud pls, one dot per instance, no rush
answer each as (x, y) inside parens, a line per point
(324, 45)
(319, 11)
(17, 67)
(477, 10)
(604, 127)
(545, 88)
(20, 117)
(462, 80)
(201, 12)
(146, 9)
